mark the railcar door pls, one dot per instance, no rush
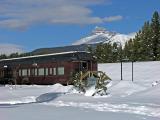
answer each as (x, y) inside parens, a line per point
(7, 75)
(84, 66)
(1, 76)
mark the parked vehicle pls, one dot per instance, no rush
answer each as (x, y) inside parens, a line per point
(46, 68)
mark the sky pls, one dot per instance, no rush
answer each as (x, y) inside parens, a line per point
(26, 25)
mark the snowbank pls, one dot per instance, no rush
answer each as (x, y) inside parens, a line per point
(23, 100)
(125, 88)
(22, 94)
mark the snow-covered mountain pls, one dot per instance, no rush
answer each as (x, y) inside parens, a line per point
(98, 35)
(101, 35)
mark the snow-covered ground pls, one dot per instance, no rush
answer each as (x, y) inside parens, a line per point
(126, 100)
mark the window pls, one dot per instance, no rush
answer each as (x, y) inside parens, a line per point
(35, 72)
(60, 70)
(32, 72)
(1, 73)
(54, 71)
(24, 72)
(41, 71)
(46, 71)
(50, 71)
(19, 73)
(29, 72)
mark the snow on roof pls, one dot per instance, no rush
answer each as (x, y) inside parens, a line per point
(34, 56)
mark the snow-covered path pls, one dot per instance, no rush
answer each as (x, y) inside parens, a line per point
(117, 108)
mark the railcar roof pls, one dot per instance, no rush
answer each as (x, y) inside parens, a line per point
(36, 56)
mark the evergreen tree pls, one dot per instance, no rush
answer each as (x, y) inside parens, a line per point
(106, 53)
(146, 44)
(146, 51)
(137, 42)
(3, 56)
(13, 55)
(155, 28)
(115, 52)
(128, 50)
(99, 53)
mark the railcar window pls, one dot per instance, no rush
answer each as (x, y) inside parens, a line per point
(32, 72)
(35, 72)
(24, 72)
(20, 72)
(46, 71)
(29, 72)
(41, 71)
(54, 71)
(60, 70)
(1, 74)
(50, 71)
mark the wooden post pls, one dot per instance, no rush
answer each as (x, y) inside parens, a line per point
(132, 71)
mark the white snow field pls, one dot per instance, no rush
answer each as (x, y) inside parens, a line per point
(126, 100)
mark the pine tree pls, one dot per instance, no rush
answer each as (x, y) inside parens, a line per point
(99, 51)
(14, 55)
(137, 47)
(146, 36)
(107, 53)
(146, 44)
(115, 52)
(155, 28)
(3, 56)
(128, 50)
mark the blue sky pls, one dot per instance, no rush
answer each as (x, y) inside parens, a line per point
(31, 24)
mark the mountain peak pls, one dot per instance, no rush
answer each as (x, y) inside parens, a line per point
(101, 35)
(98, 30)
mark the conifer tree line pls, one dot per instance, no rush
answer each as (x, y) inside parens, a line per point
(146, 44)
(14, 55)
(109, 52)
(106, 53)
(144, 47)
